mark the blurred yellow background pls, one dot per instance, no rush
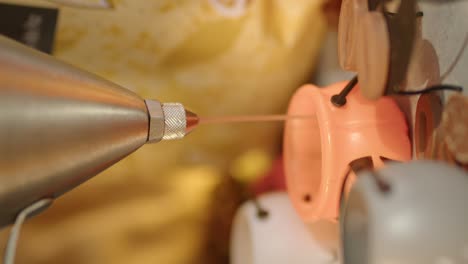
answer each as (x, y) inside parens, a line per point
(151, 207)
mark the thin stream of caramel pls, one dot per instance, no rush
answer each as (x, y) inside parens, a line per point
(253, 118)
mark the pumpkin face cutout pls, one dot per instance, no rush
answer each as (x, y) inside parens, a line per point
(318, 153)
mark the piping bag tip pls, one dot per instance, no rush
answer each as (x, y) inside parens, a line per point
(192, 121)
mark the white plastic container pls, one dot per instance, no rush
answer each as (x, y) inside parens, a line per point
(280, 237)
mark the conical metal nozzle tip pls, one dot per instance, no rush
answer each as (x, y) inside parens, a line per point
(192, 121)
(169, 121)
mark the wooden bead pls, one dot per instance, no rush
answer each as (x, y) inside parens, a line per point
(373, 55)
(350, 16)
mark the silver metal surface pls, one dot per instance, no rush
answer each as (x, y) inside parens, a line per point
(174, 120)
(169, 121)
(156, 121)
(421, 218)
(59, 126)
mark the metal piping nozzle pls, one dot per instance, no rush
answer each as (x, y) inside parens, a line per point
(60, 126)
(169, 121)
